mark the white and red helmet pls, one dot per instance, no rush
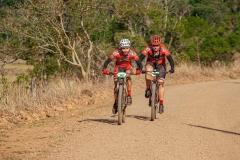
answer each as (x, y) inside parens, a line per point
(125, 43)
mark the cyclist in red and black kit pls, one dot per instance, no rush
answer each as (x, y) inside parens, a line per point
(123, 55)
(156, 59)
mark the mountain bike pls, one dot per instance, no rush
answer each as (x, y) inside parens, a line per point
(121, 93)
(154, 93)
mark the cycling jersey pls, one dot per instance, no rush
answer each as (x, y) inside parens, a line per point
(156, 57)
(124, 60)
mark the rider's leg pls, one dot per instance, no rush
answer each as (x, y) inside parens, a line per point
(161, 96)
(114, 109)
(115, 90)
(148, 76)
(115, 84)
(161, 79)
(129, 82)
(129, 86)
(161, 90)
(148, 79)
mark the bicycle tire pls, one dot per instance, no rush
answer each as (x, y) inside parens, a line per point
(156, 100)
(120, 111)
(153, 107)
(124, 116)
(124, 102)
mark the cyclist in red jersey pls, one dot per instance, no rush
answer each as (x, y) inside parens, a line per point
(156, 59)
(123, 55)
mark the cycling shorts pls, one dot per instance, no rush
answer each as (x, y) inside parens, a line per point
(118, 68)
(159, 67)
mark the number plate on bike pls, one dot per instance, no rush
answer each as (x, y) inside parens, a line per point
(155, 74)
(121, 74)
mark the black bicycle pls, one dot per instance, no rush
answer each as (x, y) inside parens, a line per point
(121, 93)
(154, 93)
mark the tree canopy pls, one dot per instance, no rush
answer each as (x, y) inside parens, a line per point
(82, 33)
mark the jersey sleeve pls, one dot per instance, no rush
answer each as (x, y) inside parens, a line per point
(165, 50)
(114, 54)
(146, 50)
(133, 55)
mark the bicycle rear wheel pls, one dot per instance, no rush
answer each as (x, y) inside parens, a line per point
(120, 110)
(153, 106)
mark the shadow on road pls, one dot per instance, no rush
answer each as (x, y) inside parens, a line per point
(109, 121)
(144, 118)
(114, 122)
(214, 129)
(233, 82)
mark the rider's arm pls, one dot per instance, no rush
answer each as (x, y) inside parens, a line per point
(139, 65)
(142, 56)
(169, 57)
(106, 63)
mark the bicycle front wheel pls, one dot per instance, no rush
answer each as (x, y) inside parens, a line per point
(153, 107)
(120, 111)
(124, 106)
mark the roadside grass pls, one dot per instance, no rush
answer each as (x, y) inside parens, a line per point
(56, 92)
(18, 66)
(185, 73)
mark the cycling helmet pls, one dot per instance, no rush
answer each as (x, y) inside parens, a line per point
(125, 43)
(155, 40)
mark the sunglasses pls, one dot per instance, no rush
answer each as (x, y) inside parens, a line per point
(125, 48)
(155, 45)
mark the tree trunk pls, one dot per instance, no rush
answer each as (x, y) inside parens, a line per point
(198, 54)
(165, 20)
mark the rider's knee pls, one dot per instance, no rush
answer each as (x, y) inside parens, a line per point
(149, 68)
(128, 78)
(161, 82)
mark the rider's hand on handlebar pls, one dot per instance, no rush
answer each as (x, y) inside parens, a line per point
(138, 72)
(171, 70)
(105, 71)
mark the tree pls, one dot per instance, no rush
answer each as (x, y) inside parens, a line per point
(12, 43)
(62, 28)
(195, 31)
(132, 14)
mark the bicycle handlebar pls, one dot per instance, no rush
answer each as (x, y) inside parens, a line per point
(166, 72)
(112, 73)
(134, 73)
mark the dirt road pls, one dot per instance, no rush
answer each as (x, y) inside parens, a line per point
(201, 121)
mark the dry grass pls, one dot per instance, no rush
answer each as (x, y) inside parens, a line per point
(58, 91)
(61, 90)
(186, 73)
(18, 66)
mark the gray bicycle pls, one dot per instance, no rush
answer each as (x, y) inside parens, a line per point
(154, 93)
(121, 93)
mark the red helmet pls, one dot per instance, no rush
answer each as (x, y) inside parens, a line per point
(155, 40)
